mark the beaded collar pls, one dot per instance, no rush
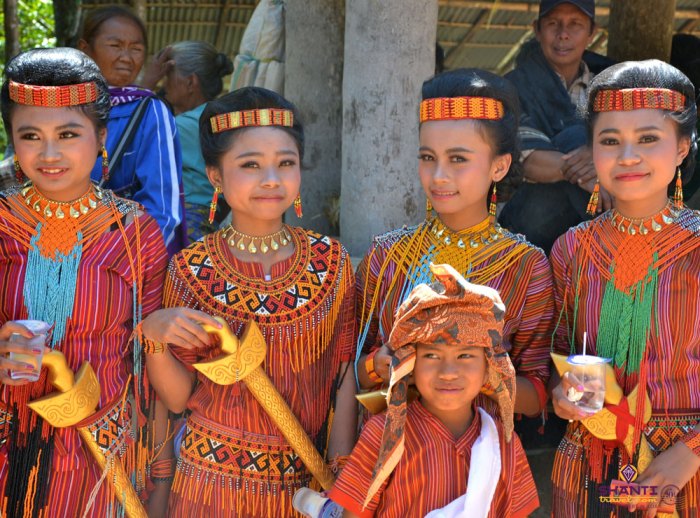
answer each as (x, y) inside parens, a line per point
(58, 209)
(474, 237)
(643, 226)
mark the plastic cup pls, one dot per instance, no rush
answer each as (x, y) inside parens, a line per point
(38, 342)
(590, 372)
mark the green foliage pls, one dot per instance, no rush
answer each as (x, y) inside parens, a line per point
(36, 29)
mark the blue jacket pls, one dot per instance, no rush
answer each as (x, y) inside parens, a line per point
(150, 171)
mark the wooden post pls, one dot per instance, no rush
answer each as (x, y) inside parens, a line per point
(314, 83)
(11, 24)
(67, 22)
(389, 52)
(639, 29)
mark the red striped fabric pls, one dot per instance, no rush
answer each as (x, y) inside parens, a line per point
(672, 357)
(525, 287)
(432, 472)
(98, 332)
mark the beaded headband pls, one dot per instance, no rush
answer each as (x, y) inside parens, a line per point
(454, 108)
(53, 96)
(638, 99)
(263, 117)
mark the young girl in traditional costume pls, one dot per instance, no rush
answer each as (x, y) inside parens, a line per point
(91, 265)
(630, 281)
(418, 458)
(468, 145)
(295, 285)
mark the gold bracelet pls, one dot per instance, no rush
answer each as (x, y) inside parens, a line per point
(151, 347)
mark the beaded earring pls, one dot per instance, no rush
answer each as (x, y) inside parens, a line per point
(494, 201)
(105, 165)
(19, 174)
(297, 206)
(428, 206)
(214, 202)
(593, 201)
(678, 194)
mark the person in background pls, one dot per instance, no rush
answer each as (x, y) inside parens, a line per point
(193, 73)
(143, 148)
(552, 74)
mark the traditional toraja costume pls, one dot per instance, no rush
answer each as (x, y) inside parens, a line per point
(80, 266)
(633, 286)
(234, 461)
(484, 254)
(407, 463)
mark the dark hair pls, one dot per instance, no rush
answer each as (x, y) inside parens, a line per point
(202, 59)
(685, 56)
(502, 134)
(96, 17)
(56, 67)
(215, 145)
(651, 73)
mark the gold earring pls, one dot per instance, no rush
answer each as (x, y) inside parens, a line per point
(297, 207)
(593, 201)
(214, 202)
(494, 203)
(678, 194)
(428, 206)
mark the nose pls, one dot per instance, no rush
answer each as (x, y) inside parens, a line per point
(447, 370)
(440, 173)
(270, 177)
(50, 152)
(628, 155)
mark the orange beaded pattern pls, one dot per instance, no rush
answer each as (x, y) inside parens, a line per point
(53, 96)
(692, 441)
(455, 108)
(241, 119)
(638, 99)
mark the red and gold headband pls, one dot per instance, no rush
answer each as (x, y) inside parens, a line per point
(263, 117)
(53, 96)
(454, 108)
(638, 99)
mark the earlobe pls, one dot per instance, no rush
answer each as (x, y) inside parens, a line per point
(214, 175)
(502, 163)
(683, 149)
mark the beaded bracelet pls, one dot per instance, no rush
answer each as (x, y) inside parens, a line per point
(369, 367)
(337, 463)
(692, 441)
(162, 470)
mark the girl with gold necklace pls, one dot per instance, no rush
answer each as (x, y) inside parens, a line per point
(89, 264)
(297, 286)
(468, 154)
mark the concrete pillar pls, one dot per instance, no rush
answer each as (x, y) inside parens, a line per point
(639, 29)
(313, 82)
(389, 52)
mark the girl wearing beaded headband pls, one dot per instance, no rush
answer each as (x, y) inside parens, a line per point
(468, 151)
(630, 280)
(90, 265)
(296, 285)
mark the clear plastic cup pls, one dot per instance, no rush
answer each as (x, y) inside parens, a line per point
(589, 370)
(38, 342)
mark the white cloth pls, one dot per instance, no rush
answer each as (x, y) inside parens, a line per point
(484, 473)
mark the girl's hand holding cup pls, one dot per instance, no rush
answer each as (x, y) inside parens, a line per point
(22, 344)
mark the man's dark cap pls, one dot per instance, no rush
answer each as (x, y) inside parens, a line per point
(587, 6)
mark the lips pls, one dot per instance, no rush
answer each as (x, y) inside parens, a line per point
(52, 171)
(443, 194)
(631, 176)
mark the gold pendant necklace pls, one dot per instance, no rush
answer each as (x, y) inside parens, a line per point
(58, 209)
(473, 237)
(642, 226)
(255, 244)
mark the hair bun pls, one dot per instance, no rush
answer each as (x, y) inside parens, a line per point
(224, 64)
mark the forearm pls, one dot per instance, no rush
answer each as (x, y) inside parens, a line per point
(544, 167)
(527, 400)
(171, 380)
(343, 432)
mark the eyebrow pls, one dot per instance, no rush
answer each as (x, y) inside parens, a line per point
(638, 130)
(451, 150)
(436, 347)
(258, 153)
(70, 125)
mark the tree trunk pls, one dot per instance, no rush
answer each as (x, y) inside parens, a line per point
(389, 52)
(640, 29)
(66, 15)
(314, 82)
(11, 29)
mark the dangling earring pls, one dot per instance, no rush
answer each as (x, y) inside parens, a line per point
(493, 205)
(428, 206)
(19, 174)
(297, 206)
(593, 201)
(214, 201)
(105, 165)
(678, 195)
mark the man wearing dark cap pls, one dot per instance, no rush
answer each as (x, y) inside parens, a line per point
(552, 75)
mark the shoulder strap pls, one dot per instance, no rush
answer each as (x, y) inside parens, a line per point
(128, 135)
